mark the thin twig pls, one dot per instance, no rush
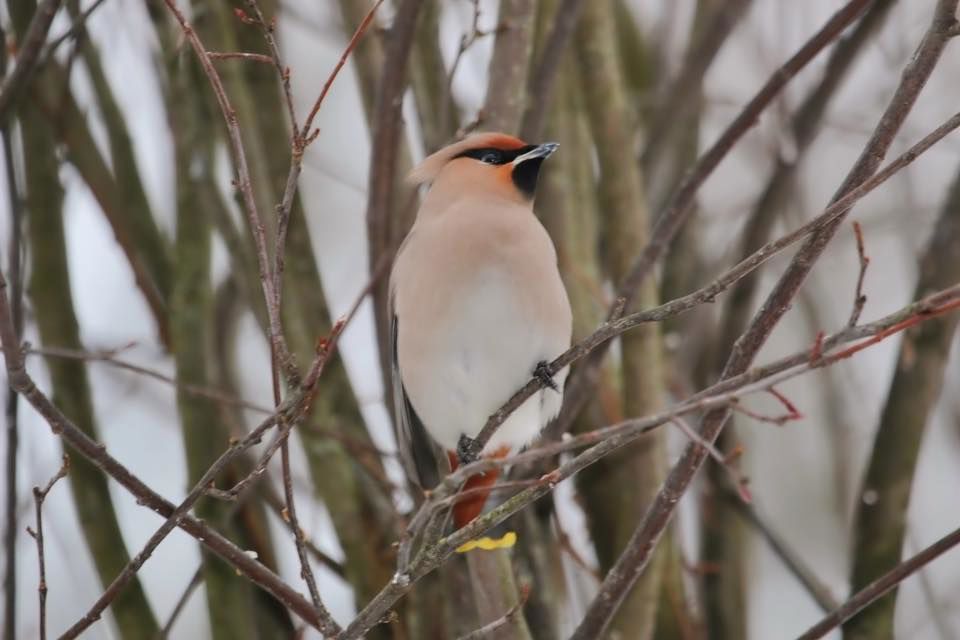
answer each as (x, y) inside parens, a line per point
(302, 138)
(739, 481)
(612, 328)
(109, 356)
(610, 439)
(466, 41)
(859, 297)
(278, 345)
(289, 414)
(563, 539)
(309, 135)
(24, 384)
(546, 70)
(324, 350)
(270, 278)
(793, 562)
(237, 490)
(635, 557)
(282, 70)
(489, 630)
(791, 411)
(28, 55)
(78, 25)
(275, 505)
(291, 518)
(39, 495)
(240, 55)
(681, 204)
(876, 589)
(385, 216)
(181, 603)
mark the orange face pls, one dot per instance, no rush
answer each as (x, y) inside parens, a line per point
(486, 163)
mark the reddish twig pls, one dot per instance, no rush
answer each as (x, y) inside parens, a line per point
(739, 481)
(282, 71)
(270, 278)
(612, 328)
(791, 411)
(681, 204)
(302, 138)
(879, 587)
(39, 495)
(634, 559)
(237, 490)
(859, 298)
(309, 135)
(608, 440)
(278, 345)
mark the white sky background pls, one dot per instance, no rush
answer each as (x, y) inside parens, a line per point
(793, 481)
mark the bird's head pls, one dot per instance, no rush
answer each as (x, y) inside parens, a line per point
(496, 163)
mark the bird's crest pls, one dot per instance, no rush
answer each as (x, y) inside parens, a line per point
(427, 170)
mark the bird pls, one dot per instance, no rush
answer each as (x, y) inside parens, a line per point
(476, 307)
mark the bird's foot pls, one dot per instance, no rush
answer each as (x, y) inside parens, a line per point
(542, 373)
(466, 449)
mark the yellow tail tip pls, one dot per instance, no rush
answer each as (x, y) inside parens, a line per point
(486, 543)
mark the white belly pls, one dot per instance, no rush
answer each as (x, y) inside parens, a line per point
(484, 350)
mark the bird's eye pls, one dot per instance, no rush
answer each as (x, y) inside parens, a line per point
(491, 157)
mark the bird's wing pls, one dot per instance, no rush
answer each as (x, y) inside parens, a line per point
(423, 460)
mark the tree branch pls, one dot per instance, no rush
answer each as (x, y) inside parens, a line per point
(681, 204)
(28, 56)
(651, 527)
(545, 73)
(707, 294)
(13, 430)
(881, 586)
(605, 441)
(506, 92)
(39, 495)
(880, 524)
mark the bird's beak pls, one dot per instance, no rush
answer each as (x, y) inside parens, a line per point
(540, 151)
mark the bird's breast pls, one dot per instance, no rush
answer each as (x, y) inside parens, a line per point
(475, 315)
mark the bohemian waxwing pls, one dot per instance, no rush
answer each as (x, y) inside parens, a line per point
(476, 304)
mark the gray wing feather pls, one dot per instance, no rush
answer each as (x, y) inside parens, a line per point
(422, 458)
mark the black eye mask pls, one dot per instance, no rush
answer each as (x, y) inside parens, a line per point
(492, 155)
(524, 175)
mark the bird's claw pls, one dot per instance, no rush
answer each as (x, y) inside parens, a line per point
(542, 373)
(466, 449)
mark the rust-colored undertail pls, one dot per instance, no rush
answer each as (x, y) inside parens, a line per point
(470, 506)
